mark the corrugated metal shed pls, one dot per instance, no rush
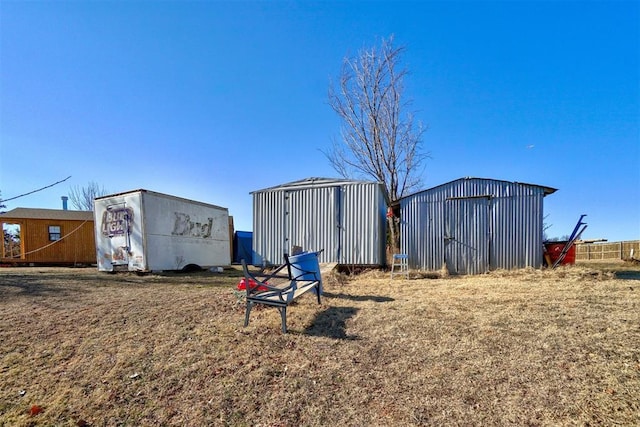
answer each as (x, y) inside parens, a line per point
(473, 225)
(346, 218)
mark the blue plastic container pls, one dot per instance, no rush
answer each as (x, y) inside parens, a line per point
(304, 265)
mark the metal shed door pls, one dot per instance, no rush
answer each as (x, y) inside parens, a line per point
(467, 235)
(313, 221)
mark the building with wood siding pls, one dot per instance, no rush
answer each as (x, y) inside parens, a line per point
(48, 237)
(474, 225)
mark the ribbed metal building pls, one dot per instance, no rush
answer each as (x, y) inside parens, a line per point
(346, 218)
(473, 225)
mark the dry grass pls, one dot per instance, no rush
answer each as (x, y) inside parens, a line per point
(533, 347)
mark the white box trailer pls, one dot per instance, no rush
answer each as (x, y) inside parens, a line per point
(142, 230)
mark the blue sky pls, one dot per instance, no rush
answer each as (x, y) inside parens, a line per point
(212, 100)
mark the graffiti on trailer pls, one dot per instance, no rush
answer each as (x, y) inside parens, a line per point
(116, 221)
(184, 226)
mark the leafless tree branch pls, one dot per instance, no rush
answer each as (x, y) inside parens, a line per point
(82, 197)
(379, 138)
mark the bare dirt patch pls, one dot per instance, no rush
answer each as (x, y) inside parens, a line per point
(533, 347)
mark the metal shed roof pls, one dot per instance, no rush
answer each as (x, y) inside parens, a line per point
(545, 189)
(54, 214)
(313, 183)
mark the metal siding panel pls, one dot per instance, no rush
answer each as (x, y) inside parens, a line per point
(312, 220)
(378, 231)
(363, 224)
(467, 235)
(422, 231)
(517, 228)
(269, 227)
(348, 228)
(348, 222)
(411, 238)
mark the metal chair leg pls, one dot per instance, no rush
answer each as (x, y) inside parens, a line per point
(283, 314)
(246, 315)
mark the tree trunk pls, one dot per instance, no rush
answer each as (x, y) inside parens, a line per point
(393, 235)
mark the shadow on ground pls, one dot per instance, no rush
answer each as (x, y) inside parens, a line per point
(18, 285)
(374, 298)
(332, 323)
(64, 282)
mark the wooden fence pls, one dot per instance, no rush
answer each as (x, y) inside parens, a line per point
(608, 251)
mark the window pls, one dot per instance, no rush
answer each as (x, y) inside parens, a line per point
(54, 233)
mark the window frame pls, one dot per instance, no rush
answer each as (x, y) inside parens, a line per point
(54, 236)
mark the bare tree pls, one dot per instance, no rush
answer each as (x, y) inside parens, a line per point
(379, 137)
(82, 197)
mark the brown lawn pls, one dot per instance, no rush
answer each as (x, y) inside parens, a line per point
(560, 347)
